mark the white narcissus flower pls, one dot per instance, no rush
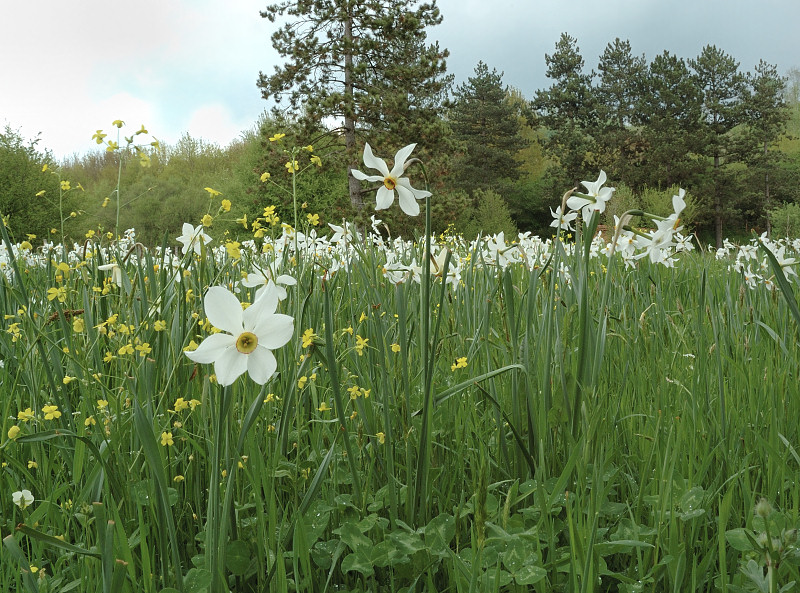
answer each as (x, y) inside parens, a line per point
(193, 238)
(116, 272)
(595, 198)
(251, 335)
(562, 220)
(261, 278)
(22, 498)
(392, 181)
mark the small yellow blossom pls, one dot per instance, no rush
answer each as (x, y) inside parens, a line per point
(14, 431)
(276, 137)
(78, 325)
(207, 220)
(59, 293)
(301, 382)
(354, 391)
(32, 464)
(181, 404)
(193, 403)
(51, 412)
(108, 357)
(292, 166)
(308, 337)
(65, 186)
(102, 403)
(126, 349)
(324, 407)
(226, 205)
(106, 202)
(362, 318)
(166, 439)
(460, 363)
(381, 438)
(144, 349)
(232, 247)
(313, 219)
(25, 415)
(264, 176)
(160, 325)
(395, 348)
(98, 136)
(67, 380)
(89, 421)
(361, 343)
(212, 192)
(316, 160)
(118, 123)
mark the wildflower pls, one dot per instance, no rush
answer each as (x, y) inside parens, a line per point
(292, 166)
(392, 181)
(214, 193)
(264, 277)
(160, 325)
(65, 186)
(251, 336)
(226, 205)
(561, 221)
(460, 363)
(301, 382)
(232, 247)
(313, 219)
(25, 415)
(308, 337)
(264, 176)
(144, 349)
(13, 432)
(22, 498)
(116, 272)
(98, 136)
(51, 412)
(89, 421)
(354, 391)
(178, 479)
(276, 137)
(207, 220)
(118, 123)
(67, 380)
(381, 438)
(316, 160)
(166, 439)
(59, 293)
(126, 349)
(395, 348)
(102, 403)
(193, 238)
(361, 343)
(324, 407)
(594, 200)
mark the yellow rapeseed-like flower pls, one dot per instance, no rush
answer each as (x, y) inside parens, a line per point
(309, 148)
(361, 343)
(65, 186)
(395, 348)
(14, 431)
(308, 337)
(67, 380)
(181, 404)
(232, 247)
(178, 479)
(126, 349)
(51, 412)
(212, 191)
(301, 382)
(160, 325)
(354, 391)
(381, 438)
(264, 176)
(102, 403)
(25, 415)
(313, 219)
(89, 421)
(242, 221)
(316, 160)
(40, 193)
(78, 325)
(45, 167)
(226, 205)
(207, 220)
(166, 439)
(460, 363)
(106, 202)
(25, 245)
(144, 349)
(98, 136)
(276, 137)
(324, 407)
(292, 166)
(59, 293)
(118, 123)
(32, 464)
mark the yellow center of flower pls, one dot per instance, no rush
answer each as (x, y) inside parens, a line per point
(246, 343)
(389, 183)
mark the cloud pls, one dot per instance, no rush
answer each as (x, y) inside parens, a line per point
(214, 123)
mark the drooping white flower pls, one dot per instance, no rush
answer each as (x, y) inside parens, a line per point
(561, 220)
(261, 277)
(22, 498)
(116, 272)
(193, 238)
(392, 181)
(251, 335)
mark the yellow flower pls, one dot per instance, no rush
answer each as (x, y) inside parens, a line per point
(381, 438)
(181, 404)
(166, 439)
(142, 130)
(362, 318)
(102, 403)
(39, 194)
(213, 192)
(98, 136)
(26, 245)
(126, 349)
(106, 202)
(59, 293)
(354, 391)
(25, 415)
(45, 167)
(361, 344)
(78, 325)
(316, 160)
(242, 221)
(65, 186)
(193, 403)
(313, 219)
(112, 146)
(226, 205)
(144, 349)
(264, 176)
(232, 247)
(179, 478)
(349, 330)
(308, 337)
(309, 148)
(395, 348)
(301, 382)
(67, 380)
(14, 431)
(51, 412)
(276, 137)
(118, 122)
(32, 464)
(89, 421)
(160, 325)
(292, 166)
(324, 407)
(207, 220)
(460, 363)
(108, 357)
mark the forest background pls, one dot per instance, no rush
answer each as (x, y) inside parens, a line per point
(495, 159)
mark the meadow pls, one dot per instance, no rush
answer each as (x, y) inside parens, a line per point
(507, 414)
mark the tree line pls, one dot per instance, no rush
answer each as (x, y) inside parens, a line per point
(495, 160)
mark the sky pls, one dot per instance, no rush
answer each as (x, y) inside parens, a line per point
(177, 66)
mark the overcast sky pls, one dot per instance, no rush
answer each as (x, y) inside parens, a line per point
(70, 68)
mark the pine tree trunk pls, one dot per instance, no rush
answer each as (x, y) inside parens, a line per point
(766, 190)
(354, 184)
(717, 204)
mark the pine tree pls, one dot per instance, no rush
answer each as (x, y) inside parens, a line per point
(717, 75)
(486, 125)
(567, 110)
(364, 63)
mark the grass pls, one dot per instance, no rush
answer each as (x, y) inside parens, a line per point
(592, 443)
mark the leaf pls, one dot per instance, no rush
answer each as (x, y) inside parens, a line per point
(386, 553)
(530, 574)
(359, 562)
(738, 540)
(197, 580)
(439, 533)
(237, 557)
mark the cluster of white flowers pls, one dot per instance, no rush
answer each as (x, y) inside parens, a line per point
(756, 270)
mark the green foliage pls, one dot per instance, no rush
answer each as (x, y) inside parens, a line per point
(785, 220)
(21, 179)
(489, 215)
